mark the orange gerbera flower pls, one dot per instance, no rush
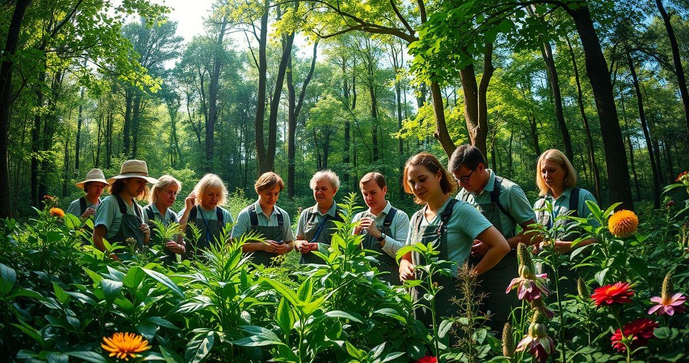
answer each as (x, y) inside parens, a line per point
(623, 223)
(57, 212)
(125, 345)
(618, 293)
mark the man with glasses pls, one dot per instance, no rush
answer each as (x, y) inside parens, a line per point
(505, 205)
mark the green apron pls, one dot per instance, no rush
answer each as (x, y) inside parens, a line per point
(269, 232)
(130, 225)
(385, 262)
(436, 234)
(210, 231)
(494, 282)
(321, 232)
(169, 256)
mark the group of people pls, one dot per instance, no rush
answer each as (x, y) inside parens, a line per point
(482, 224)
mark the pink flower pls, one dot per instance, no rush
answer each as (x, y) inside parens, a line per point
(529, 287)
(668, 305)
(537, 342)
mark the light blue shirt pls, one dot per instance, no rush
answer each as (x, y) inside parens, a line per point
(211, 215)
(108, 215)
(398, 229)
(244, 221)
(75, 207)
(561, 204)
(319, 216)
(464, 225)
(169, 215)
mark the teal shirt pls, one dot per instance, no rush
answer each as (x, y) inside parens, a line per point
(169, 215)
(243, 224)
(211, 215)
(465, 224)
(75, 207)
(561, 204)
(512, 198)
(399, 228)
(108, 215)
(319, 216)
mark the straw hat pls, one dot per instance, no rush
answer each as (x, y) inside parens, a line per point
(134, 169)
(94, 175)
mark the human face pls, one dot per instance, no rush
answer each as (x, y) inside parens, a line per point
(210, 198)
(168, 195)
(467, 179)
(94, 190)
(424, 184)
(553, 174)
(373, 195)
(268, 197)
(134, 187)
(324, 192)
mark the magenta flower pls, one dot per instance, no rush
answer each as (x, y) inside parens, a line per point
(529, 287)
(537, 342)
(669, 306)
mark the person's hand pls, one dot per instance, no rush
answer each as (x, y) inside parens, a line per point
(281, 248)
(190, 201)
(406, 270)
(302, 246)
(562, 246)
(369, 225)
(145, 229)
(175, 247)
(89, 212)
(479, 249)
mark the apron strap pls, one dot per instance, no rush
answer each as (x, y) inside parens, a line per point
(123, 207)
(574, 202)
(495, 198)
(253, 216)
(82, 205)
(388, 218)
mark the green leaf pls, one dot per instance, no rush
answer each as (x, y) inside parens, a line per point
(60, 293)
(111, 289)
(199, 347)
(639, 265)
(305, 291)
(165, 281)
(94, 276)
(662, 333)
(161, 322)
(147, 330)
(30, 331)
(171, 356)
(354, 352)
(284, 316)
(391, 313)
(285, 291)
(377, 351)
(445, 327)
(392, 356)
(134, 277)
(259, 337)
(8, 277)
(25, 293)
(600, 276)
(57, 357)
(87, 356)
(342, 314)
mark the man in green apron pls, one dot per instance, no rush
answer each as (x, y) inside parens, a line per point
(505, 205)
(267, 219)
(93, 185)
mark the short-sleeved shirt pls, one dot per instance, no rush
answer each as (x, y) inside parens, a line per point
(512, 198)
(170, 216)
(465, 224)
(398, 229)
(243, 224)
(211, 215)
(75, 207)
(561, 204)
(319, 216)
(108, 214)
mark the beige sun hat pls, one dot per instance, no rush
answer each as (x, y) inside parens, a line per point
(94, 175)
(134, 169)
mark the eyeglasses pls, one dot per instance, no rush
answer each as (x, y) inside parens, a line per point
(465, 178)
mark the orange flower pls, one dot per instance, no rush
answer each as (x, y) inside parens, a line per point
(618, 293)
(125, 345)
(57, 212)
(623, 223)
(681, 177)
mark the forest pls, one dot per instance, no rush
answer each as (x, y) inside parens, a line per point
(354, 86)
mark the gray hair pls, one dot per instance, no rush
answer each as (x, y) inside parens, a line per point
(334, 179)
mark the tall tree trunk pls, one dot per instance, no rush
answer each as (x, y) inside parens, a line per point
(6, 102)
(475, 105)
(681, 79)
(136, 124)
(374, 117)
(213, 97)
(47, 163)
(554, 81)
(631, 148)
(599, 76)
(36, 137)
(587, 128)
(647, 136)
(126, 128)
(347, 125)
(441, 132)
(261, 153)
(80, 120)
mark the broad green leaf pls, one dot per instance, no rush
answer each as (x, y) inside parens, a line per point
(305, 290)
(639, 265)
(134, 277)
(391, 313)
(445, 327)
(93, 275)
(354, 352)
(147, 330)
(87, 356)
(284, 316)
(60, 293)
(392, 356)
(165, 281)
(199, 347)
(342, 314)
(25, 293)
(170, 355)
(600, 276)
(111, 289)
(161, 322)
(285, 291)
(30, 331)
(8, 277)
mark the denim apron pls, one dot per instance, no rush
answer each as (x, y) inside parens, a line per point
(130, 224)
(169, 256)
(321, 232)
(210, 231)
(385, 262)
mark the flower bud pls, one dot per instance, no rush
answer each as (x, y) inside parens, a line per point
(507, 342)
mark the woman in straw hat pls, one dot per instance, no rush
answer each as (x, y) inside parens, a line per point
(163, 196)
(93, 185)
(119, 217)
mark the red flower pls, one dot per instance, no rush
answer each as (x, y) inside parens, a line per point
(636, 334)
(682, 176)
(428, 359)
(610, 294)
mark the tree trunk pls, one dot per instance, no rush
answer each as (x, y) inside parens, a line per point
(261, 154)
(36, 137)
(554, 81)
(647, 136)
(80, 120)
(475, 105)
(47, 164)
(6, 102)
(681, 80)
(589, 140)
(599, 76)
(126, 128)
(441, 133)
(631, 148)
(213, 97)
(136, 124)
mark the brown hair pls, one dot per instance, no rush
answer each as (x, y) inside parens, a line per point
(373, 176)
(267, 181)
(118, 186)
(430, 162)
(559, 158)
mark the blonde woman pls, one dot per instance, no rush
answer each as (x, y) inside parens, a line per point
(161, 199)
(203, 208)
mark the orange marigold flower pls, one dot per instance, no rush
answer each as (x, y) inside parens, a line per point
(125, 345)
(57, 212)
(611, 294)
(623, 223)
